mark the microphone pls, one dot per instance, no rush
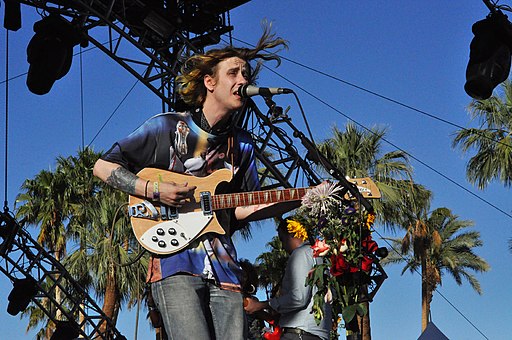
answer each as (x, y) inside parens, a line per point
(246, 91)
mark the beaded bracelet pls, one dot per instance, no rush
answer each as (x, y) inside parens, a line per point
(156, 193)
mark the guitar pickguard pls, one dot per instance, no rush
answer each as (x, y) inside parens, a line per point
(166, 230)
(172, 236)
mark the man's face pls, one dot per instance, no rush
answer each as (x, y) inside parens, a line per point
(230, 74)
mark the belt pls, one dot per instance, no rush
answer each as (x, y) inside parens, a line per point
(295, 331)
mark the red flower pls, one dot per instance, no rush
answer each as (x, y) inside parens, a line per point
(275, 334)
(369, 244)
(354, 269)
(366, 264)
(339, 265)
(320, 248)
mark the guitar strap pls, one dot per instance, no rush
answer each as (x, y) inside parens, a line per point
(231, 152)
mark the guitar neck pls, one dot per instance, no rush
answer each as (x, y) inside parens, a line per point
(226, 201)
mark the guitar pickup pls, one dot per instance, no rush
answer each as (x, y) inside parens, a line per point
(143, 210)
(206, 203)
(168, 213)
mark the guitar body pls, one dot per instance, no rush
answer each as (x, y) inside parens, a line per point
(167, 230)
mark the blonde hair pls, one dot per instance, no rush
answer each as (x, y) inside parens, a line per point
(190, 85)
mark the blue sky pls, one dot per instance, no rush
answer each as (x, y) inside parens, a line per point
(410, 51)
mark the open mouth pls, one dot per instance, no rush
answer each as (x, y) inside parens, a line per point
(236, 94)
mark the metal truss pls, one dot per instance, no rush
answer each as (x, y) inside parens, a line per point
(22, 259)
(276, 138)
(149, 38)
(374, 280)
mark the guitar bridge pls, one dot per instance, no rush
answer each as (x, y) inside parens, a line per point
(206, 202)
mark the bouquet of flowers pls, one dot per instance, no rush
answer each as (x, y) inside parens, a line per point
(341, 233)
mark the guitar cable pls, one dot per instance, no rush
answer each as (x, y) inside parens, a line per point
(141, 252)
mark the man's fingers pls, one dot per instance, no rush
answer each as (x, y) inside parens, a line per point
(185, 190)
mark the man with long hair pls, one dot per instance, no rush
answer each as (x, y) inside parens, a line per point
(197, 290)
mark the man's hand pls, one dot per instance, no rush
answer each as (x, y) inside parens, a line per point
(175, 194)
(252, 305)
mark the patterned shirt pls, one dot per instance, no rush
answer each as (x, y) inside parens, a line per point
(173, 141)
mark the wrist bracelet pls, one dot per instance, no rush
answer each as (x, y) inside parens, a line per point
(146, 190)
(156, 193)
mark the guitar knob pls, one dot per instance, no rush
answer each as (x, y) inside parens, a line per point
(160, 232)
(172, 231)
(174, 242)
(162, 244)
(154, 239)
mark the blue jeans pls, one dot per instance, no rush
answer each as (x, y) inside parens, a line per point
(195, 309)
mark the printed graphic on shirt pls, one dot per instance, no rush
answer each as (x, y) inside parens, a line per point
(180, 142)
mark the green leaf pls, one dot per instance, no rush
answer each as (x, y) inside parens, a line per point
(348, 313)
(361, 309)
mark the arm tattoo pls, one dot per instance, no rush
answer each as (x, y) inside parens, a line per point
(122, 179)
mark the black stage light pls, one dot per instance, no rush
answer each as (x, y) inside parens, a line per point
(12, 15)
(7, 226)
(8, 230)
(381, 252)
(50, 52)
(489, 57)
(65, 330)
(24, 290)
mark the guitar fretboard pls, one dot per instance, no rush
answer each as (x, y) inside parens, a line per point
(226, 201)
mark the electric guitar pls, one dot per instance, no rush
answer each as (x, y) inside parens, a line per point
(163, 229)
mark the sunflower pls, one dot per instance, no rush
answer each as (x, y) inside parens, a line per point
(297, 230)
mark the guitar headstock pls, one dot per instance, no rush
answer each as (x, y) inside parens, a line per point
(366, 187)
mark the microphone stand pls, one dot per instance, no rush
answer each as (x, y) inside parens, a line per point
(274, 110)
(318, 158)
(315, 156)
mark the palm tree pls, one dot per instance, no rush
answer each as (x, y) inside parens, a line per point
(45, 203)
(110, 246)
(359, 153)
(100, 226)
(436, 244)
(78, 170)
(492, 141)
(50, 201)
(270, 266)
(75, 209)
